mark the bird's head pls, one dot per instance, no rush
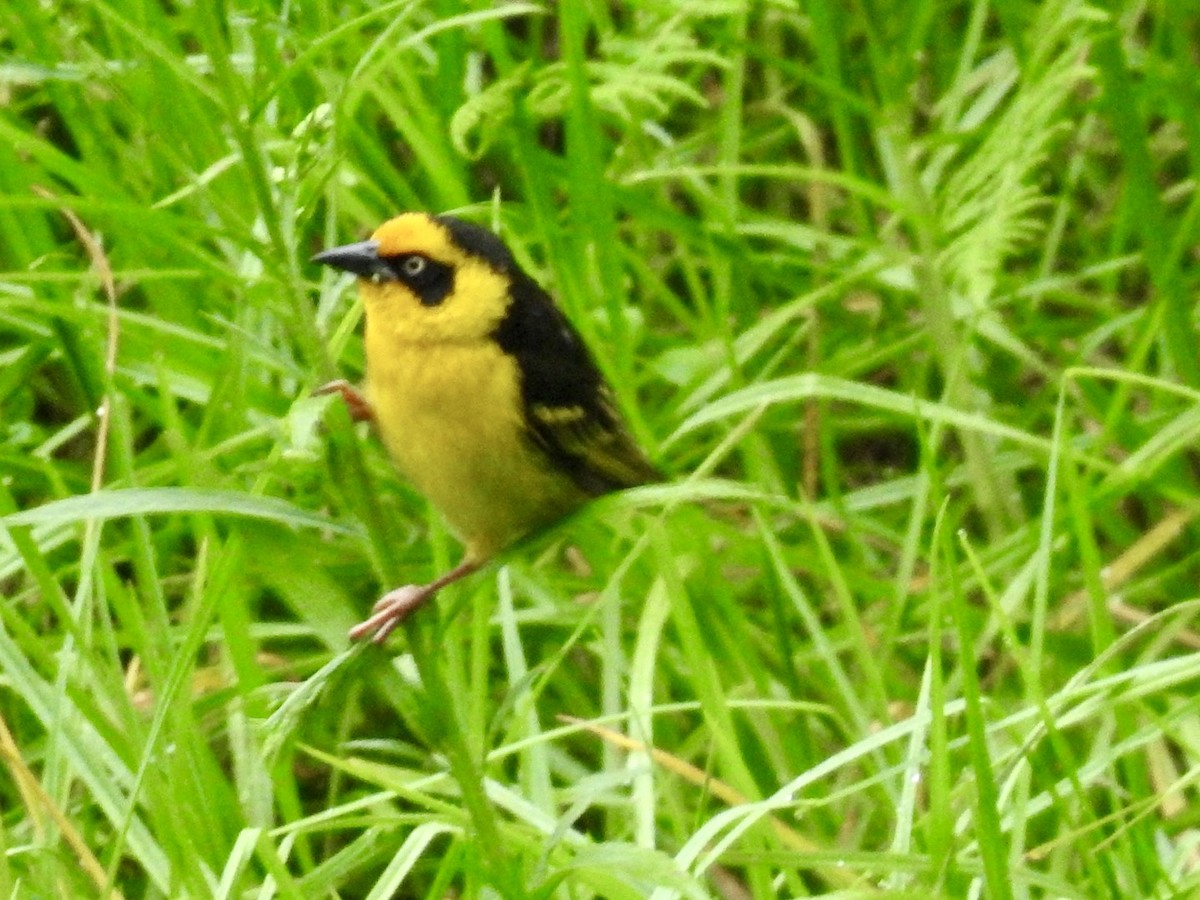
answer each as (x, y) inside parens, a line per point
(429, 279)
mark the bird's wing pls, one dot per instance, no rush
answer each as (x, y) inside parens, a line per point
(569, 408)
(591, 442)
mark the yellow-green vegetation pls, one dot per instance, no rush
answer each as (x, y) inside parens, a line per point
(900, 296)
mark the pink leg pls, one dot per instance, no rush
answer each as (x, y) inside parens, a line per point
(397, 605)
(356, 402)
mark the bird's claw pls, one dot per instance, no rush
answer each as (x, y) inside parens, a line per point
(356, 402)
(390, 611)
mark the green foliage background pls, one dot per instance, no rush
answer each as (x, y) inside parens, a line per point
(902, 296)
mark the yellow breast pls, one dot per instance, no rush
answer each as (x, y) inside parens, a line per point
(451, 417)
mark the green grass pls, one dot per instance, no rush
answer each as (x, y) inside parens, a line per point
(902, 297)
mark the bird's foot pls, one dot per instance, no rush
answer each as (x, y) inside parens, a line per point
(356, 402)
(396, 606)
(391, 611)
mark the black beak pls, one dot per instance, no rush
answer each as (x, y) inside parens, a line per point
(361, 259)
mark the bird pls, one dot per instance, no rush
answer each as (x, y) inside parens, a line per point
(483, 392)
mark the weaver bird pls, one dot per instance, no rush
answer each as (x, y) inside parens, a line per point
(483, 392)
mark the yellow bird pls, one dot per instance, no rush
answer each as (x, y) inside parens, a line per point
(484, 394)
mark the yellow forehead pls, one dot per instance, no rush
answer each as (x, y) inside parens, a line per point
(395, 316)
(416, 233)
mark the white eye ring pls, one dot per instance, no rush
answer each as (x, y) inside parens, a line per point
(414, 265)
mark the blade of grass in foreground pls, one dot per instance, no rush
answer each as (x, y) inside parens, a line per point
(118, 504)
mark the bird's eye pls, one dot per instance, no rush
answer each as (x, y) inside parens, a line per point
(427, 279)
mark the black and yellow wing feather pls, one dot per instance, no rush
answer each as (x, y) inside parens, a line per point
(568, 407)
